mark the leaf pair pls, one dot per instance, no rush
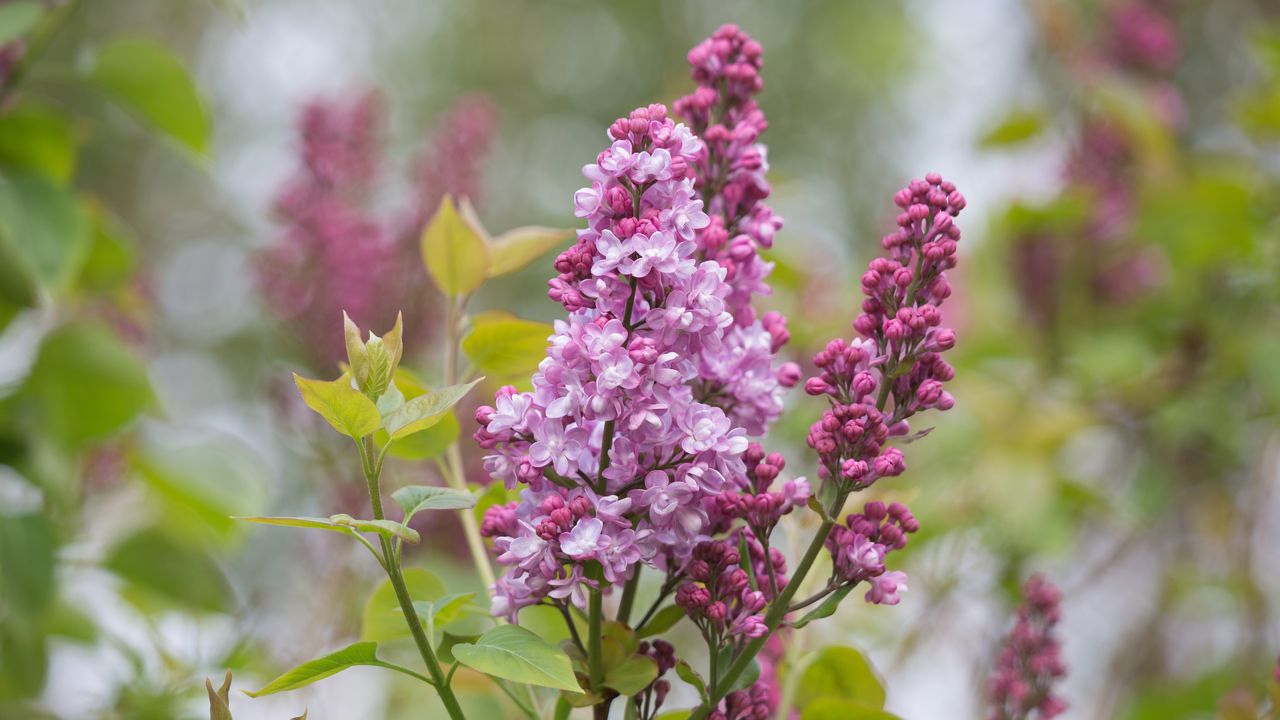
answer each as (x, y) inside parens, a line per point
(460, 255)
(350, 411)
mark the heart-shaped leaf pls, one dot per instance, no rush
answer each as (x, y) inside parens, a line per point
(512, 653)
(504, 346)
(633, 675)
(842, 673)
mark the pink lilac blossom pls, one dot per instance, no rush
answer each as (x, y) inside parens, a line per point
(720, 597)
(332, 243)
(730, 169)
(896, 363)
(1030, 661)
(617, 455)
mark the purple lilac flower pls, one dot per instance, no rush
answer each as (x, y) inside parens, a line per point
(875, 382)
(719, 596)
(730, 171)
(617, 452)
(1030, 662)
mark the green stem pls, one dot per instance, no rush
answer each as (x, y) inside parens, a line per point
(628, 597)
(595, 622)
(454, 477)
(392, 566)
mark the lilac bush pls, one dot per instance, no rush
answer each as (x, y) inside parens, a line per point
(640, 445)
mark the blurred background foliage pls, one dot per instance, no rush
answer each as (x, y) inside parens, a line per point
(1117, 377)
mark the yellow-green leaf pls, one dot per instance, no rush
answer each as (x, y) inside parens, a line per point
(425, 410)
(455, 252)
(347, 409)
(383, 619)
(514, 249)
(361, 653)
(503, 346)
(512, 653)
(146, 79)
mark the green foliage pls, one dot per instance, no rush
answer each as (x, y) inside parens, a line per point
(424, 411)
(416, 498)
(86, 386)
(382, 618)
(345, 408)
(513, 653)
(37, 138)
(662, 621)
(361, 653)
(504, 347)
(840, 673)
(1015, 128)
(454, 250)
(147, 80)
(18, 18)
(633, 675)
(826, 608)
(516, 248)
(836, 709)
(156, 564)
(43, 228)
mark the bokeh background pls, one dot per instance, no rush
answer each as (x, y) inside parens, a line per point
(163, 270)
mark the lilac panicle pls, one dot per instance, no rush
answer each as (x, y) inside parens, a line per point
(1030, 661)
(875, 382)
(330, 246)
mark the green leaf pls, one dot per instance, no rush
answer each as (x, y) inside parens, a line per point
(110, 260)
(438, 613)
(664, 620)
(826, 609)
(633, 675)
(512, 653)
(382, 618)
(152, 561)
(38, 138)
(416, 498)
(749, 675)
(428, 443)
(504, 346)
(1016, 127)
(86, 385)
(357, 353)
(220, 699)
(837, 709)
(43, 228)
(842, 673)
(348, 410)
(28, 546)
(146, 79)
(361, 653)
(516, 248)
(454, 251)
(448, 641)
(17, 18)
(425, 410)
(390, 528)
(686, 673)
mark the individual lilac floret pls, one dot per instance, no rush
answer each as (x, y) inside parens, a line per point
(1030, 661)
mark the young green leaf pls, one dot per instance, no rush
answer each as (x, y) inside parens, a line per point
(448, 641)
(43, 228)
(361, 653)
(664, 620)
(686, 673)
(455, 252)
(843, 673)
(825, 609)
(425, 444)
(504, 346)
(390, 528)
(152, 561)
(348, 410)
(416, 498)
(37, 137)
(357, 353)
(146, 79)
(438, 613)
(748, 676)
(633, 675)
(512, 653)
(425, 410)
(514, 249)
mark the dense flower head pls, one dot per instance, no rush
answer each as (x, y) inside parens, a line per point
(1030, 661)
(630, 446)
(860, 546)
(720, 597)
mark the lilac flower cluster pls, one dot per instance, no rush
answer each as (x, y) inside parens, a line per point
(650, 700)
(756, 504)
(730, 173)
(332, 242)
(721, 599)
(753, 703)
(1021, 686)
(860, 546)
(613, 423)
